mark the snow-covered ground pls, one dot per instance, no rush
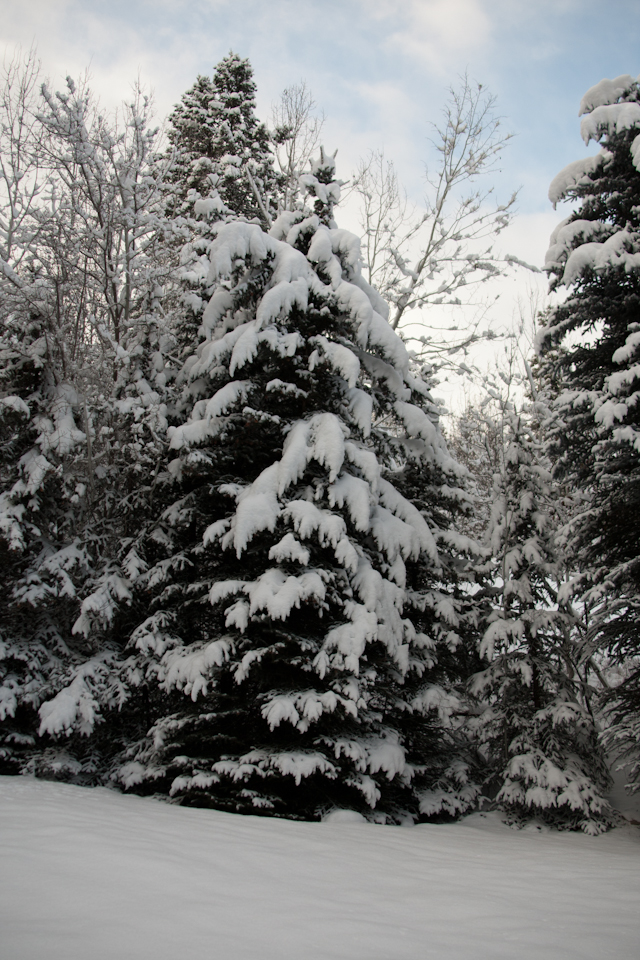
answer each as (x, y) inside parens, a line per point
(89, 874)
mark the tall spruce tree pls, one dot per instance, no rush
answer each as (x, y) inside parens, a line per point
(590, 346)
(218, 139)
(301, 619)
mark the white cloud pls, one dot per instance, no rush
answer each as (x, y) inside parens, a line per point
(154, 39)
(434, 30)
(391, 122)
(528, 236)
(20, 23)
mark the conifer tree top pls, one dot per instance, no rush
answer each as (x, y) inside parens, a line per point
(220, 142)
(229, 96)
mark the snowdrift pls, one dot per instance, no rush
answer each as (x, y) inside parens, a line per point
(90, 873)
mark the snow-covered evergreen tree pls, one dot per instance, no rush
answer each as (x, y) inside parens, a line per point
(475, 439)
(299, 604)
(590, 345)
(41, 557)
(72, 509)
(538, 731)
(219, 139)
(222, 165)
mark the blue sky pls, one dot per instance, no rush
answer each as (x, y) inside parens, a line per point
(378, 68)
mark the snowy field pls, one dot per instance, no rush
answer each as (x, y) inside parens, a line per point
(89, 874)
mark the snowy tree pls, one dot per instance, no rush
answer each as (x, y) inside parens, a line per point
(219, 139)
(221, 165)
(296, 135)
(476, 436)
(301, 616)
(589, 346)
(82, 358)
(38, 433)
(475, 439)
(107, 181)
(537, 727)
(37, 534)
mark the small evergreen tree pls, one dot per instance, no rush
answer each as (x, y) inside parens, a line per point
(71, 515)
(475, 440)
(42, 559)
(301, 605)
(590, 345)
(539, 735)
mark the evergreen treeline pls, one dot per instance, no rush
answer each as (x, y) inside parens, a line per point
(242, 568)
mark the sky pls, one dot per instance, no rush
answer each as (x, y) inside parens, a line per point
(379, 69)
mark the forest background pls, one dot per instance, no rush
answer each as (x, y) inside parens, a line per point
(530, 714)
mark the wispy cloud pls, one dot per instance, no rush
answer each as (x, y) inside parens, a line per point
(434, 31)
(378, 68)
(164, 41)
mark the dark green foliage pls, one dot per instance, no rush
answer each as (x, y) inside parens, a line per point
(300, 609)
(589, 347)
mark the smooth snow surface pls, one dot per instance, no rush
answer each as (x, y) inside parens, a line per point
(88, 874)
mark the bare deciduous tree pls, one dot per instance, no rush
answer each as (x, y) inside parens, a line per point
(21, 173)
(297, 130)
(111, 179)
(384, 213)
(425, 257)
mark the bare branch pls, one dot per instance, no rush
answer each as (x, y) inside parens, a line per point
(296, 132)
(438, 255)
